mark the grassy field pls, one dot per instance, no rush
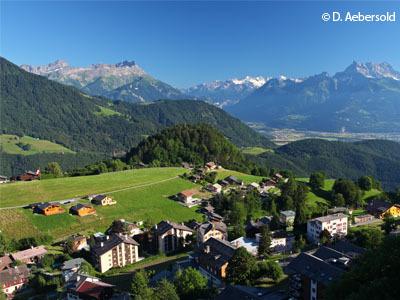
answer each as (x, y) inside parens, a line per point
(245, 177)
(140, 203)
(106, 112)
(319, 203)
(27, 145)
(255, 150)
(20, 193)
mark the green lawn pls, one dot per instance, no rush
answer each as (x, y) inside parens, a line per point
(21, 193)
(223, 173)
(27, 145)
(319, 203)
(255, 150)
(106, 112)
(147, 202)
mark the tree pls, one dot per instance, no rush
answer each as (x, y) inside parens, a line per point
(140, 286)
(365, 183)
(87, 268)
(349, 190)
(317, 180)
(165, 290)
(54, 168)
(270, 269)
(325, 237)
(300, 243)
(389, 224)
(3, 244)
(338, 200)
(368, 237)
(190, 283)
(264, 245)
(241, 267)
(210, 177)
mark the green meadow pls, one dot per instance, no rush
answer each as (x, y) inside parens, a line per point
(147, 202)
(27, 145)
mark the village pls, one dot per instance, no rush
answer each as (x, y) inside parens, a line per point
(206, 246)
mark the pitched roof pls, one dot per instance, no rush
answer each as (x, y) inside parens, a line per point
(94, 289)
(207, 226)
(188, 193)
(165, 226)
(347, 248)
(378, 206)
(11, 275)
(72, 263)
(99, 197)
(5, 261)
(219, 253)
(314, 268)
(29, 253)
(79, 206)
(113, 240)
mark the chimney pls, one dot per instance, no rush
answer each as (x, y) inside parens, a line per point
(101, 244)
(207, 249)
(107, 237)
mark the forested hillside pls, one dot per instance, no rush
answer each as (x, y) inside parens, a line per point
(195, 144)
(378, 158)
(35, 106)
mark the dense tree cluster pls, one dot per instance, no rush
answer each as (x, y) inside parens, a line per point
(196, 144)
(378, 158)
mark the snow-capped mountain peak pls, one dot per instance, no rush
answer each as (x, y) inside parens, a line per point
(373, 70)
(257, 81)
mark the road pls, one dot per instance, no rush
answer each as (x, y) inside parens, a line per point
(109, 192)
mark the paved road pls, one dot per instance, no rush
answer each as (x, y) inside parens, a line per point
(109, 192)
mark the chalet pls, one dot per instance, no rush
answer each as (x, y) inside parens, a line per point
(82, 210)
(29, 256)
(14, 279)
(253, 227)
(213, 257)
(71, 267)
(77, 243)
(278, 177)
(48, 209)
(311, 272)
(103, 200)
(3, 179)
(211, 166)
(86, 287)
(214, 188)
(254, 186)
(124, 227)
(217, 230)
(116, 250)
(186, 197)
(214, 217)
(27, 176)
(286, 218)
(223, 183)
(5, 262)
(382, 209)
(233, 180)
(171, 236)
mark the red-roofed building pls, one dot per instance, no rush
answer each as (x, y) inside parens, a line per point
(187, 196)
(13, 279)
(87, 287)
(29, 256)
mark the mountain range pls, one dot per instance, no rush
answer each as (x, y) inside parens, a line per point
(122, 81)
(226, 92)
(362, 98)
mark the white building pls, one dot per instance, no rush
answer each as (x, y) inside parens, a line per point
(335, 224)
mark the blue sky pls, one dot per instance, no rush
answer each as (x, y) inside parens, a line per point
(184, 43)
